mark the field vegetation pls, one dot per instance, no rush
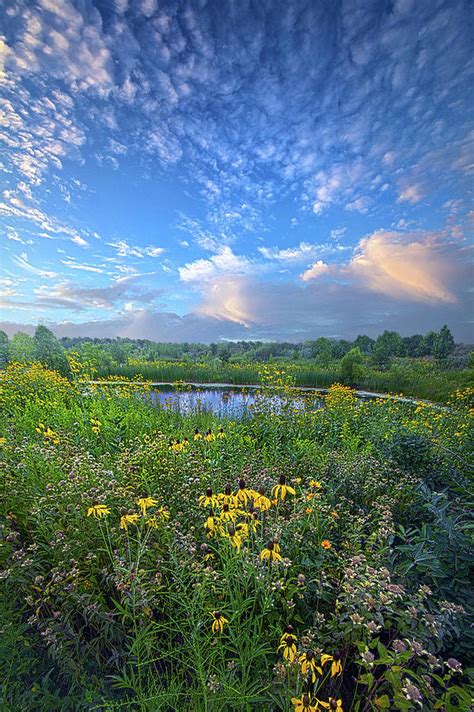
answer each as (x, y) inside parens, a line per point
(430, 366)
(289, 560)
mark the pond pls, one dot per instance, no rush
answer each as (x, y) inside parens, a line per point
(224, 401)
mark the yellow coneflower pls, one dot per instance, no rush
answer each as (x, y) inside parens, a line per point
(197, 435)
(304, 704)
(252, 520)
(314, 484)
(210, 523)
(308, 665)
(308, 510)
(98, 511)
(227, 497)
(271, 552)
(151, 522)
(177, 446)
(326, 544)
(334, 514)
(332, 704)
(209, 499)
(163, 514)
(243, 493)
(209, 436)
(145, 502)
(228, 514)
(218, 622)
(282, 489)
(234, 536)
(262, 502)
(221, 434)
(335, 660)
(288, 645)
(128, 519)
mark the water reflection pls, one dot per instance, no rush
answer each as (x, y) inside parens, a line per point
(225, 402)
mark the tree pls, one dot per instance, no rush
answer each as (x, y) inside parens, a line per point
(388, 344)
(49, 351)
(365, 344)
(3, 349)
(22, 348)
(428, 343)
(413, 345)
(443, 343)
(349, 363)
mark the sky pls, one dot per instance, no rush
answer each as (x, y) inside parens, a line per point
(203, 170)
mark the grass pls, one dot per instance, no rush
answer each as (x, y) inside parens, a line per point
(366, 558)
(417, 378)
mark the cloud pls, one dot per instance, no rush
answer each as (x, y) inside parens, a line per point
(22, 262)
(416, 266)
(304, 252)
(225, 261)
(84, 268)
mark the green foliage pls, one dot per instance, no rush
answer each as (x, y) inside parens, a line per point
(22, 348)
(349, 364)
(443, 343)
(116, 612)
(48, 351)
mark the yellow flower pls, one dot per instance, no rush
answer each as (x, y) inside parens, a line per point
(227, 497)
(262, 502)
(221, 433)
(227, 514)
(128, 519)
(151, 522)
(271, 552)
(209, 436)
(210, 524)
(3, 441)
(244, 494)
(163, 514)
(282, 489)
(304, 704)
(145, 502)
(326, 544)
(308, 510)
(333, 704)
(288, 645)
(177, 446)
(334, 514)
(314, 484)
(336, 666)
(308, 665)
(218, 622)
(234, 535)
(209, 499)
(98, 511)
(197, 435)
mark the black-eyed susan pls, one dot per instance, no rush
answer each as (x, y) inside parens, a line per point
(221, 434)
(209, 499)
(280, 490)
(304, 703)
(335, 660)
(332, 704)
(314, 484)
(288, 646)
(197, 435)
(209, 436)
(326, 544)
(177, 446)
(145, 502)
(308, 665)
(218, 622)
(271, 552)
(127, 519)
(98, 511)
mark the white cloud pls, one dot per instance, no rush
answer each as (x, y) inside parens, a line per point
(224, 262)
(82, 267)
(79, 241)
(23, 262)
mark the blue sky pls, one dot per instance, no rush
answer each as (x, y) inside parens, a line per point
(206, 170)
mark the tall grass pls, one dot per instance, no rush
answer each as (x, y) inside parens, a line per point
(407, 379)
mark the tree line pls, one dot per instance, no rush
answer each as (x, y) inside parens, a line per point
(106, 353)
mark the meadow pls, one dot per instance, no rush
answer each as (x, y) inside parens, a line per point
(289, 560)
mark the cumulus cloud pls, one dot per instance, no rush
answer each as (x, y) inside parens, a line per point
(225, 261)
(421, 267)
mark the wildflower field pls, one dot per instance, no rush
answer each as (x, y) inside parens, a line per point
(290, 560)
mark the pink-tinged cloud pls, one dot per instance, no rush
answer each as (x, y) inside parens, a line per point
(419, 267)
